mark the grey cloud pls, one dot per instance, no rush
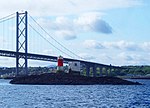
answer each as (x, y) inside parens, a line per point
(102, 26)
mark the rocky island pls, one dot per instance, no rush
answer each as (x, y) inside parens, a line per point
(69, 79)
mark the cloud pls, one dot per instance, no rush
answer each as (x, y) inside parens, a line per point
(69, 28)
(7, 62)
(133, 58)
(69, 18)
(93, 22)
(125, 57)
(101, 26)
(35, 63)
(119, 52)
(122, 45)
(57, 23)
(117, 45)
(63, 23)
(66, 34)
(105, 57)
(86, 56)
(49, 52)
(64, 7)
(146, 46)
(44, 22)
(61, 26)
(4, 42)
(92, 44)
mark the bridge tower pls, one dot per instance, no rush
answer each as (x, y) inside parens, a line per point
(21, 43)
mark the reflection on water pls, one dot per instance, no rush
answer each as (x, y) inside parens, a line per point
(67, 96)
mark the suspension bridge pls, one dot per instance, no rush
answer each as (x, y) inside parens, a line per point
(19, 40)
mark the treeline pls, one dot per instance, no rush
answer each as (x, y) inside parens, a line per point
(136, 70)
(5, 70)
(128, 70)
(10, 72)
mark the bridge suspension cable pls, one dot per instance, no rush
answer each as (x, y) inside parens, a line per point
(6, 34)
(6, 18)
(48, 40)
(55, 40)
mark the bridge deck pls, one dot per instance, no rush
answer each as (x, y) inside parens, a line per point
(48, 58)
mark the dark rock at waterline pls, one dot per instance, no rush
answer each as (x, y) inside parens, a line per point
(69, 79)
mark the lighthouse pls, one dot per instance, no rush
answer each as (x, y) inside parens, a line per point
(60, 64)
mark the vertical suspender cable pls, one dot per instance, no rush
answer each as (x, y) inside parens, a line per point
(55, 39)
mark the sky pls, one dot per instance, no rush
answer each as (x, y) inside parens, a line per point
(105, 31)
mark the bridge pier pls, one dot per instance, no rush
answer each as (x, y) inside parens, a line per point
(87, 70)
(101, 71)
(91, 69)
(110, 70)
(94, 71)
(106, 71)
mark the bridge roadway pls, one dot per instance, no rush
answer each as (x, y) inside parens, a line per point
(50, 58)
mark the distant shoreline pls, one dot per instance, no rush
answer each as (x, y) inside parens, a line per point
(134, 77)
(147, 78)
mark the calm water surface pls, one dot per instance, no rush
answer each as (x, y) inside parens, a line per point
(75, 96)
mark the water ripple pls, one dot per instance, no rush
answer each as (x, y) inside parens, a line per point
(67, 96)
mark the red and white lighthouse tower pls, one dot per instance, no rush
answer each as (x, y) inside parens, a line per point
(60, 64)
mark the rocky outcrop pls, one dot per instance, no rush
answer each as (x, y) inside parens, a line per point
(69, 79)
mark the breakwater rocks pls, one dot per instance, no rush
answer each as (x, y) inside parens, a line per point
(69, 79)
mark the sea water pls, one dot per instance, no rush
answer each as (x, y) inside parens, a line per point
(74, 96)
